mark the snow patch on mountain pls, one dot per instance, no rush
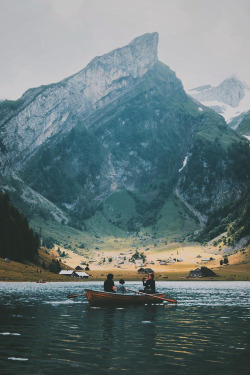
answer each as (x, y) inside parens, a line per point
(230, 99)
(184, 163)
(226, 110)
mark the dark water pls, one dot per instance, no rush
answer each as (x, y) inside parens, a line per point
(43, 332)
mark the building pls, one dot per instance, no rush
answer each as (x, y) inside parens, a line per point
(69, 273)
(202, 272)
(78, 268)
(148, 270)
(141, 270)
(196, 273)
(82, 275)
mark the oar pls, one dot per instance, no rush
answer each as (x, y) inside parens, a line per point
(75, 295)
(154, 296)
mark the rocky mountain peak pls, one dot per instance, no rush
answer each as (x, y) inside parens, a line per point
(138, 56)
(231, 99)
(117, 66)
(231, 91)
(48, 110)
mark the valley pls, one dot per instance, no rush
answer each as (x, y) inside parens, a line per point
(118, 159)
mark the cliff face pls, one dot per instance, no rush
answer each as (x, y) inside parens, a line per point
(46, 111)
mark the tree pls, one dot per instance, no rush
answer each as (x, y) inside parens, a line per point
(226, 261)
(17, 239)
(221, 262)
(54, 266)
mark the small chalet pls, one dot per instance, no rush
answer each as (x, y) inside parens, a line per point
(148, 270)
(141, 270)
(202, 272)
(82, 275)
(145, 270)
(196, 273)
(78, 268)
(70, 273)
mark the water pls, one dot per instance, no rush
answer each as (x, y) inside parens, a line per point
(43, 332)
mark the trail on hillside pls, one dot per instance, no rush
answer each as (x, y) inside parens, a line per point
(202, 218)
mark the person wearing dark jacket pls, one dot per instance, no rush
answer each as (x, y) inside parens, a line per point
(109, 285)
(149, 283)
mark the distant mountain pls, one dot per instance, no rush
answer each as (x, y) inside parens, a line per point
(231, 99)
(121, 145)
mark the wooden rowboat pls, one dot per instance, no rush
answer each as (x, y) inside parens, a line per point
(97, 298)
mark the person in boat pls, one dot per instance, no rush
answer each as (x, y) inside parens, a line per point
(109, 285)
(149, 284)
(121, 288)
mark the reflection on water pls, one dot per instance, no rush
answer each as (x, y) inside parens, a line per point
(43, 332)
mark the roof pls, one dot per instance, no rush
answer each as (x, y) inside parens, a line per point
(148, 270)
(82, 274)
(196, 271)
(66, 272)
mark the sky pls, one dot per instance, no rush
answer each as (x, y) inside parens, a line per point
(45, 41)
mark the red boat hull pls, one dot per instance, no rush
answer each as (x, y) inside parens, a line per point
(96, 298)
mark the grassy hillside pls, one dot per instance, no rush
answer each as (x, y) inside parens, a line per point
(28, 271)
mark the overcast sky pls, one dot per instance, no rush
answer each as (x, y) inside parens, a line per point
(44, 41)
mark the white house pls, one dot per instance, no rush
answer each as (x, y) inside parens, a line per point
(67, 273)
(82, 275)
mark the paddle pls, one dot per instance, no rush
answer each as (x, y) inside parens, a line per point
(75, 295)
(154, 296)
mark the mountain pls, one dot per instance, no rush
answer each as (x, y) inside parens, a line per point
(241, 124)
(121, 148)
(231, 99)
(46, 111)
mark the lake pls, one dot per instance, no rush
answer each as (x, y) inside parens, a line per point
(43, 332)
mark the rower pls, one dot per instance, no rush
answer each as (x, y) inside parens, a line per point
(109, 285)
(149, 283)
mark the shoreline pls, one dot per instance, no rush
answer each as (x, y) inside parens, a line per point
(84, 281)
(238, 268)
(127, 276)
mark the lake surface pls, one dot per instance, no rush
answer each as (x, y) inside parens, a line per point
(43, 332)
